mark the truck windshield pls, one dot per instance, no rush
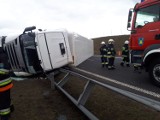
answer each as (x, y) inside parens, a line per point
(147, 15)
(28, 40)
(30, 52)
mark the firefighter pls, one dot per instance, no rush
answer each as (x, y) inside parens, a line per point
(103, 52)
(125, 54)
(111, 54)
(5, 86)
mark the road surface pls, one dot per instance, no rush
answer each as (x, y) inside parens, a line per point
(122, 77)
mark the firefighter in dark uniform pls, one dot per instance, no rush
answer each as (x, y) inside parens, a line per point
(5, 86)
(103, 52)
(111, 54)
(125, 54)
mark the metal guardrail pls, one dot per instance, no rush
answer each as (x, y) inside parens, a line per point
(88, 88)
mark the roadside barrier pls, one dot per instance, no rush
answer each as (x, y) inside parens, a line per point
(80, 103)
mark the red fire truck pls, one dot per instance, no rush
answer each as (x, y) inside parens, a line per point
(144, 24)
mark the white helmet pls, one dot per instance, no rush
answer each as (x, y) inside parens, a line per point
(102, 43)
(110, 41)
(126, 42)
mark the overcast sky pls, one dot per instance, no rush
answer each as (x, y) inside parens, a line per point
(90, 18)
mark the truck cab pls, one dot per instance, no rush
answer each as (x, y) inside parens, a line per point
(22, 54)
(145, 29)
(144, 24)
(35, 52)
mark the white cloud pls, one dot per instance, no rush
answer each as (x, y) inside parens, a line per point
(90, 18)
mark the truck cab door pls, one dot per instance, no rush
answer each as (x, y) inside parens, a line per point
(145, 31)
(52, 50)
(147, 27)
(57, 49)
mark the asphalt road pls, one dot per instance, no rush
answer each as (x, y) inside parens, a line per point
(126, 78)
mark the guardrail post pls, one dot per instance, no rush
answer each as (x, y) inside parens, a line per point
(51, 78)
(86, 92)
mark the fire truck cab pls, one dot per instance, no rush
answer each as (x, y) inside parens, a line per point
(144, 24)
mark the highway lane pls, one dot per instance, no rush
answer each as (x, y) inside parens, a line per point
(122, 77)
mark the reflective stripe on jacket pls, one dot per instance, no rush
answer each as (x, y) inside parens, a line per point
(4, 71)
(5, 111)
(5, 80)
(111, 51)
(104, 55)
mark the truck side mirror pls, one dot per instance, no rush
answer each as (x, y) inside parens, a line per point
(130, 16)
(29, 29)
(128, 25)
(129, 19)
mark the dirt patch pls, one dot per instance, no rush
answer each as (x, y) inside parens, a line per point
(34, 100)
(108, 105)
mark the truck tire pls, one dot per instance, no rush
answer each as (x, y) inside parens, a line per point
(154, 72)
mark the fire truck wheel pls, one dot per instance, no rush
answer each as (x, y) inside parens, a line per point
(154, 72)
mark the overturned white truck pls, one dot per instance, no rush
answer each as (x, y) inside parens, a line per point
(33, 52)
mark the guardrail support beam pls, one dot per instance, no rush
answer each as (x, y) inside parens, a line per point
(63, 80)
(86, 92)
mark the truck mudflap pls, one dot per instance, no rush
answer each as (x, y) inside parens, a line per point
(136, 57)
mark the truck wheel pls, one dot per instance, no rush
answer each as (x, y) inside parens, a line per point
(154, 72)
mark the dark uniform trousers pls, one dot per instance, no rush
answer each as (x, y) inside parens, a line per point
(5, 103)
(125, 55)
(104, 60)
(111, 62)
(111, 56)
(103, 52)
(5, 100)
(125, 59)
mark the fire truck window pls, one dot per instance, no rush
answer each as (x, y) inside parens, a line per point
(147, 15)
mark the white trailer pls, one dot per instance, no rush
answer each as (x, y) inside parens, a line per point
(33, 52)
